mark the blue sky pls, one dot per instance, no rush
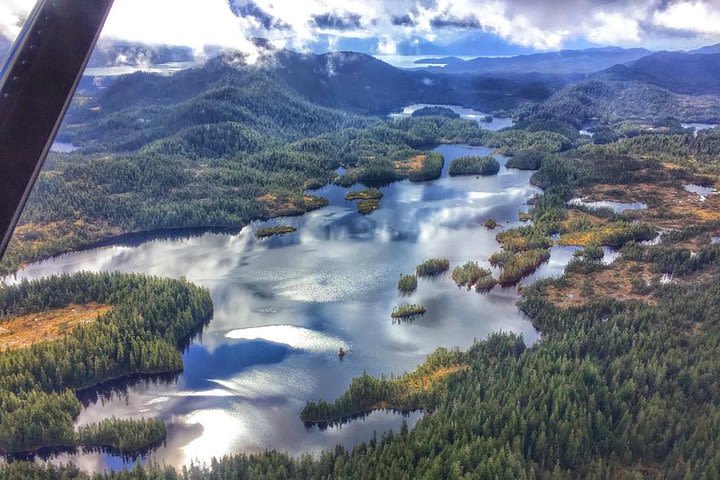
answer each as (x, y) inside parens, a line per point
(390, 27)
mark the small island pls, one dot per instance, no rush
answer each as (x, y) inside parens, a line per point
(435, 112)
(276, 230)
(407, 311)
(471, 274)
(470, 165)
(407, 283)
(433, 266)
(368, 200)
(491, 224)
(516, 266)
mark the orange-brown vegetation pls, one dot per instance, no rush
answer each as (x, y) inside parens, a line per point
(424, 381)
(281, 205)
(25, 330)
(615, 281)
(669, 205)
(411, 164)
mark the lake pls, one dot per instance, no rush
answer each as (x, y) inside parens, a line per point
(698, 126)
(285, 305)
(408, 61)
(498, 123)
(617, 207)
(63, 147)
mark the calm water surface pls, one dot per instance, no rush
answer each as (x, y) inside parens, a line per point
(498, 123)
(698, 126)
(702, 191)
(63, 147)
(285, 305)
(617, 207)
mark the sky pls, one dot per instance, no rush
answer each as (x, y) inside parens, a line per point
(384, 27)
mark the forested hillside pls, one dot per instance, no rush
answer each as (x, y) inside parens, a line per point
(141, 108)
(141, 334)
(606, 101)
(226, 89)
(680, 72)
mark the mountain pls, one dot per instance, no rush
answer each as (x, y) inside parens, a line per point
(564, 62)
(248, 105)
(678, 72)
(364, 84)
(112, 53)
(606, 100)
(709, 49)
(284, 97)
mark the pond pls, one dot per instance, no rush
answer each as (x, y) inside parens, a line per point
(701, 191)
(498, 123)
(63, 147)
(617, 207)
(698, 126)
(285, 305)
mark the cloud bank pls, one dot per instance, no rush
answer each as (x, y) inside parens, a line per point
(299, 24)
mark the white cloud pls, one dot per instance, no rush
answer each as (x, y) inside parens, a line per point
(614, 28)
(12, 16)
(543, 25)
(690, 16)
(177, 22)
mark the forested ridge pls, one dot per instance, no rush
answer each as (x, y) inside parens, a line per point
(150, 319)
(610, 100)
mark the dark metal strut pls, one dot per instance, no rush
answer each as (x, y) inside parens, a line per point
(37, 83)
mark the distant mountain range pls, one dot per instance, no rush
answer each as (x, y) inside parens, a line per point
(362, 83)
(353, 82)
(110, 53)
(564, 62)
(678, 72)
(707, 50)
